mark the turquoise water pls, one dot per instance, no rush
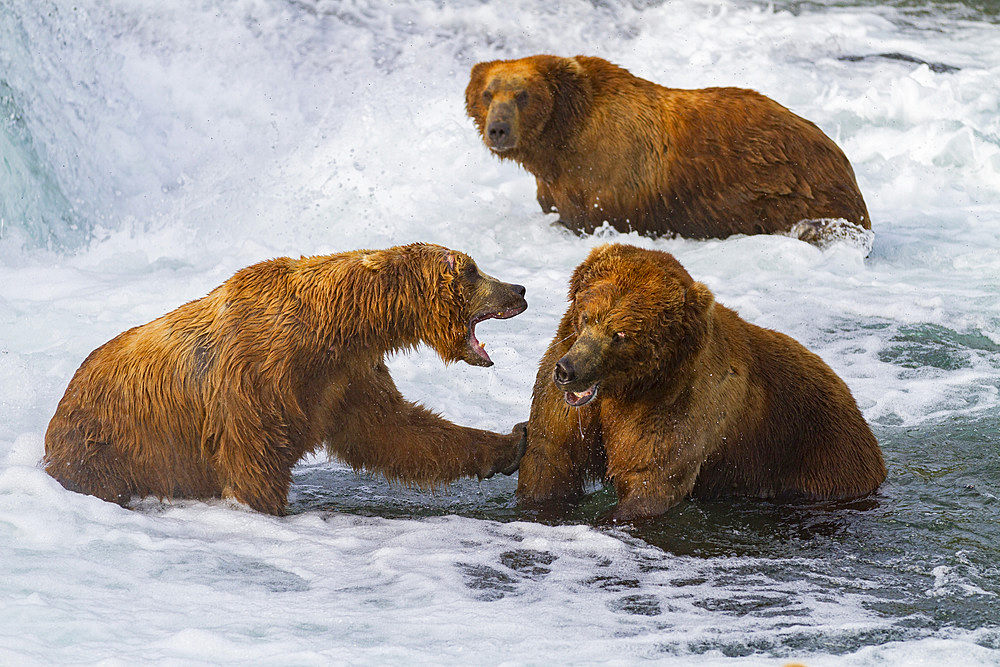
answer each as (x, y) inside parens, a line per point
(31, 201)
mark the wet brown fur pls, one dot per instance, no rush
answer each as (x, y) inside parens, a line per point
(605, 145)
(691, 400)
(223, 395)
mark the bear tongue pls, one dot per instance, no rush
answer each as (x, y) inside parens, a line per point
(578, 398)
(474, 343)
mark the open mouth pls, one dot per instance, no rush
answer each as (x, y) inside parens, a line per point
(474, 343)
(578, 398)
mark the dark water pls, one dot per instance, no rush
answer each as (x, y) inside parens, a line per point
(922, 555)
(983, 10)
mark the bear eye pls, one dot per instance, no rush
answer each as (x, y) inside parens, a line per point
(470, 271)
(619, 337)
(487, 96)
(521, 98)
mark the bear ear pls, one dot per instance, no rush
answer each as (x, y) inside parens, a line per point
(576, 281)
(477, 82)
(582, 272)
(699, 298)
(571, 90)
(450, 260)
(373, 261)
(588, 268)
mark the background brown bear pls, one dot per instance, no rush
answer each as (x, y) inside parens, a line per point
(223, 395)
(652, 385)
(605, 145)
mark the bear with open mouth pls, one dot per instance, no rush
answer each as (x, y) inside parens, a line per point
(222, 396)
(654, 387)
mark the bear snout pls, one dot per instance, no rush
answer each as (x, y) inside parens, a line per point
(566, 376)
(499, 135)
(584, 364)
(565, 371)
(509, 298)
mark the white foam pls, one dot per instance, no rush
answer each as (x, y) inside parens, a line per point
(199, 137)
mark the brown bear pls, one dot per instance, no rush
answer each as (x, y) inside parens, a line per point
(651, 385)
(223, 395)
(605, 145)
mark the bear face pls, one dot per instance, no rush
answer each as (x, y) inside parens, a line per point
(485, 298)
(514, 102)
(453, 296)
(634, 317)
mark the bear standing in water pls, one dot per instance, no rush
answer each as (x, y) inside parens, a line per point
(223, 395)
(654, 387)
(605, 145)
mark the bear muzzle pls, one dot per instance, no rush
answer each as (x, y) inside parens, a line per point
(567, 379)
(499, 136)
(501, 132)
(511, 304)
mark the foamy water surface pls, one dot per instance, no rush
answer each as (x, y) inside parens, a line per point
(149, 150)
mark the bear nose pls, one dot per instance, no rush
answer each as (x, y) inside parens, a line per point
(519, 289)
(564, 372)
(498, 132)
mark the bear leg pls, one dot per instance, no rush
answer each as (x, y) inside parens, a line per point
(260, 480)
(563, 451)
(379, 430)
(84, 461)
(651, 468)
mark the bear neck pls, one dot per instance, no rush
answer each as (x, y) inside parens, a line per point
(596, 109)
(360, 311)
(572, 100)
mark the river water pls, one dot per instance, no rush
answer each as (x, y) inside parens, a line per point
(150, 149)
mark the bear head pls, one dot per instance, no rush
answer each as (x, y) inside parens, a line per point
(442, 295)
(483, 297)
(519, 105)
(635, 315)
